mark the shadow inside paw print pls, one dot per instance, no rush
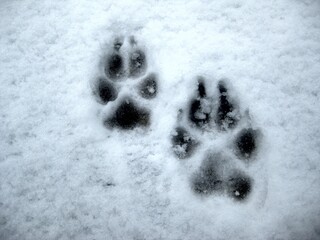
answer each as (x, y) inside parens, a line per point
(107, 92)
(126, 62)
(245, 143)
(199, 110)
(148, 87)
(114, 64)
(208, 179)
(239, 186)
(226, 114)
(128, 116)
(184, 144)
(217, 173)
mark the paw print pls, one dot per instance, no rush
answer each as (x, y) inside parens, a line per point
(217, 117)
(124, 84)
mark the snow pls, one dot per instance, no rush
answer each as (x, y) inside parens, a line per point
(63, 175)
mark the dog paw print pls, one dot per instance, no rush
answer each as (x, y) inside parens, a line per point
(124, 85)
(216, 117)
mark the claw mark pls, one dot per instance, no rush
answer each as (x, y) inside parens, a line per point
(226, 118)
(199, 108)
(114, 68)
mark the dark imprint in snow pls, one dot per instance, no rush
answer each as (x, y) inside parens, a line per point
(123, 65)
(213, 175)
(129, 116)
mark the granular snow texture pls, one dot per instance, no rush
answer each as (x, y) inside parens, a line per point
(65, 174)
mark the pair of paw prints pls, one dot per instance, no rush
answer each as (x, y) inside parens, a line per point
(125, 66)
(219, 171)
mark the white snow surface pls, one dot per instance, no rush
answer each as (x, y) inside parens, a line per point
(63, 175)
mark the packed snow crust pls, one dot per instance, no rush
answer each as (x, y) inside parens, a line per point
(63, 175)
